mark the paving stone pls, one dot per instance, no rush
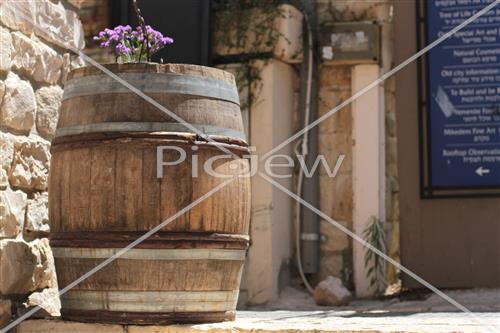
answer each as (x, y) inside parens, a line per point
(52, 326)
(332, 321)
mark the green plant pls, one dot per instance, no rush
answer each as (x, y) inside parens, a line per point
(374, 234)
(248, 79)
(248, 27)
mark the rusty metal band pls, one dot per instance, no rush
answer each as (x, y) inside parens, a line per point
(150, 254)
(160, 240)
(151, 301)
(147, 318)
(153, 83)
(148, 127)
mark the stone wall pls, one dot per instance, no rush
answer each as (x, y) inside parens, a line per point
(336, 138)
(35, 38)
(336, 195)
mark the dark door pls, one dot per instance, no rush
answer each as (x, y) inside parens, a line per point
(186, 21)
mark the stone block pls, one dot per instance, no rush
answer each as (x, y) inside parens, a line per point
(64, 26)
(37, 217)
(47, 19)
(285, 43)
(390, 116)
(331, 264)
(331, 292)
(30, 166)
(336, 77)
(26, 267)
(12, 211)
(5, 50)
(337, 196)
(339, 122)
(6, 154)
(331, 146)
(326, 195)
(70, 62)
(395, 209)
(334, 238)
(4, 179)
(18, 15)
(391, 155)
(47, 299)
(18, 108)
(36, 59)
(2, 90)
(390, 85)
(48, 101)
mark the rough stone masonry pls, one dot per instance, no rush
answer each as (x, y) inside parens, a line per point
(34, 62)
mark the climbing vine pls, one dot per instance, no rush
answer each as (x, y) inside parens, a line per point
(247, 28)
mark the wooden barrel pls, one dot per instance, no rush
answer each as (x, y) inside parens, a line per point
(105, 193)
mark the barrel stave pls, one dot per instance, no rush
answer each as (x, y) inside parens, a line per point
(112, 187)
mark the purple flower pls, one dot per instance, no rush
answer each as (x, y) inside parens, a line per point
(167, 40)
(130, 45)
(121, 49)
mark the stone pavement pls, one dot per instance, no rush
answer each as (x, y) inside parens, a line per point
(429, 314)
(296, 321)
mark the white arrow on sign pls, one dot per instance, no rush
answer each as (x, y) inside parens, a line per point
(482, 171)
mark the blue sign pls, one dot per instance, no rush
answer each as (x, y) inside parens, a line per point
(464, 95)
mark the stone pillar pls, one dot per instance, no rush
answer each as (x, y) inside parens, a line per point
(336, 198)
(336, 136)
(368, 166)
(271, 122)
(35, 38)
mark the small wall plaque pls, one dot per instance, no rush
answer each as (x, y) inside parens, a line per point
(351, 43)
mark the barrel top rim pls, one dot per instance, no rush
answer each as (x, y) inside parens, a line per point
(150, 67)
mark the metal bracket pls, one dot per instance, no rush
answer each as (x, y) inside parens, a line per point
(310, 237)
